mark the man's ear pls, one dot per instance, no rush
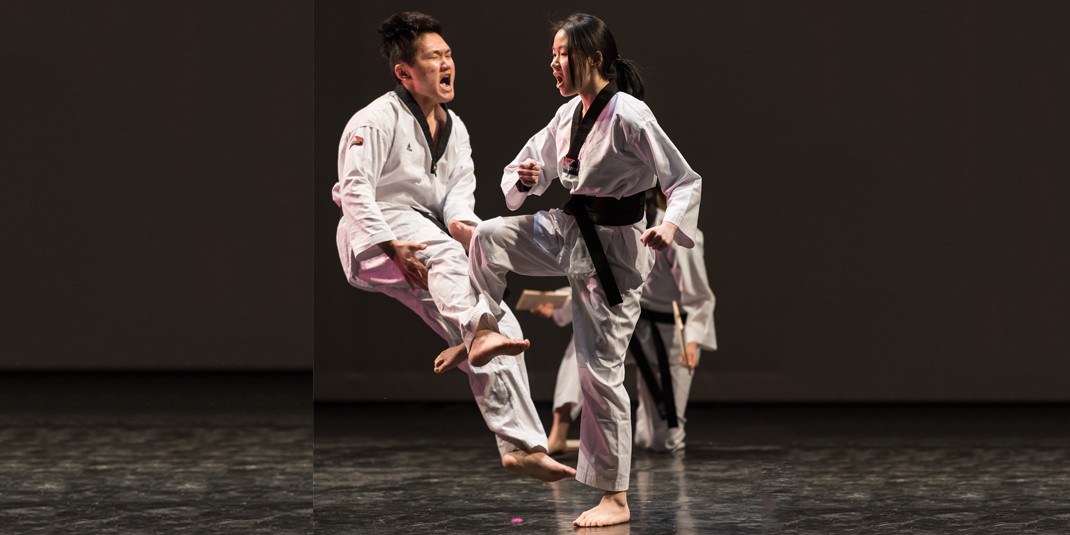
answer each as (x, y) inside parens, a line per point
(400, 72)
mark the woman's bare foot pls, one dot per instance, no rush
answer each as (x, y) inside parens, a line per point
(537, 465)
(613, 509)
(450, 358)
(488, 344)
(462, 232)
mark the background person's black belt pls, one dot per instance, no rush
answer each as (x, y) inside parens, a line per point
(605, 211)
(664, 400)
(660, 317)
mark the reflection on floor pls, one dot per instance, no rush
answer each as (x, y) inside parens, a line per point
(747, 469)
(155, 453)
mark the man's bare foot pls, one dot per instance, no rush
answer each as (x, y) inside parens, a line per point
(613, 509)
(537, 465)
(462, 232)
(488, 344)
(450, 358)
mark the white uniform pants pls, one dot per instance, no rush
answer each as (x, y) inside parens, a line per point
(652, 432)
(500, 388)
(567, 389)
(550, 244)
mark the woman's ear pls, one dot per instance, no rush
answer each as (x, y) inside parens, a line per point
(596, 60)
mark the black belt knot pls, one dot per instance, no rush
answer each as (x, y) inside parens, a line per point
(606, 211)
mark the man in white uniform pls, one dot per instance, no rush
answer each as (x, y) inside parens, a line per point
(404, 170)
(679, 275)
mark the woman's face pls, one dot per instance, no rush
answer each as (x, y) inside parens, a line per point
(559, 64)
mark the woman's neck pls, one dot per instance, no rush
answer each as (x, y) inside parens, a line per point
(588, 94)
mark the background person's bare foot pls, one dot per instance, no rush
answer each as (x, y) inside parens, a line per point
(462, 232)
(488, 344)
(556, 445)
(613, 509)
(537, 465)
(450, 358)
(558, 439)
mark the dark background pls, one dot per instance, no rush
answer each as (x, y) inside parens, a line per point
(884, 194)
(883, 203)
(154, 176)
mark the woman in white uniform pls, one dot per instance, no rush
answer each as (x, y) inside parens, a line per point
(607, 148)
(679, 275)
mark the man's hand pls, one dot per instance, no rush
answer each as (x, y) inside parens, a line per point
(543, 310)
(659, 237)
(403, 253)
(690, 356)
(529, 172)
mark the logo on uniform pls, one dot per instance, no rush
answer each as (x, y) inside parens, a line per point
(357, 141)
(570, 166)
(409, 147)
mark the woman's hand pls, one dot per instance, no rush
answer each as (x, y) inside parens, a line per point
(659, 237)
(529, 172)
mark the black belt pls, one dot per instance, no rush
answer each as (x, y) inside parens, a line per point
(660, 317)
(606, 211)
(434, 219)
(664, 401)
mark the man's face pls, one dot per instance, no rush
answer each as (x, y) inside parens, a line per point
(431, 74)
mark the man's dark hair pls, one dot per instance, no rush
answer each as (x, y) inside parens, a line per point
(399, 33)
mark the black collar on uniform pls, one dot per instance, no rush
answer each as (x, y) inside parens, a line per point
(444, 135)
(583, 123)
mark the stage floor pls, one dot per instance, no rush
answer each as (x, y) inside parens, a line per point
(869, 469)
(212, 453)
(190, 453)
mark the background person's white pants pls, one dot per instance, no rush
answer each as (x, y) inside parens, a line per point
(651, 430)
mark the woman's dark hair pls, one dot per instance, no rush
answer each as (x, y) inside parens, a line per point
(400, 32)
(588, 35)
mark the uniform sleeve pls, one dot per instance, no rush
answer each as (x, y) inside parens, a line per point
(460, 202)
(696, 296)
(361, 156)
(542, 147)
(563, 316)
(681, 184)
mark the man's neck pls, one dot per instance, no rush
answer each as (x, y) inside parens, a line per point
(428, 106)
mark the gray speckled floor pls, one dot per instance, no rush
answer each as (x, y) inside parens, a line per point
(233, 454)
(155, 454)
(777, 469)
